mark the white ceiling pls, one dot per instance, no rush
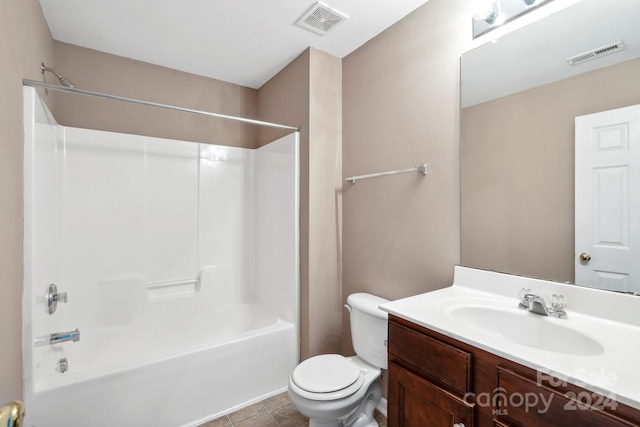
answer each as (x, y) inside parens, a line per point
(239, 41)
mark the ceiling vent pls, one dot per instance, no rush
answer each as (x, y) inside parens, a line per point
(320, 18)
(597, 53)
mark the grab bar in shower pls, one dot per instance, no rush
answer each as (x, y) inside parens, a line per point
(422, 169)
(58, 337)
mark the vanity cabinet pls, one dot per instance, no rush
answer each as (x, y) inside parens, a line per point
(418, 402)
(430, 392)
(436, 381)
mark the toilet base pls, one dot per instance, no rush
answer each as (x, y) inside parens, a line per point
(362, 416)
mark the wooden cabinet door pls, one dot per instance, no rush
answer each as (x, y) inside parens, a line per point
(415, 402)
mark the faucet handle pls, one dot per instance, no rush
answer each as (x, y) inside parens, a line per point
(53, 297)
(524, 301)
(61, 297)
(558, 302)
(523, 293)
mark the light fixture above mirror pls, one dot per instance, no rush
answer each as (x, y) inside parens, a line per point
(491, 14)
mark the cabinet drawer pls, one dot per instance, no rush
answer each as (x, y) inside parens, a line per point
(435, 359)
(529, 403)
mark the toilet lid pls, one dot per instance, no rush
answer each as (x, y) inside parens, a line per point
(325, 374)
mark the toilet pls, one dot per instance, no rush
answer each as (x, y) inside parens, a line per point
(337, 391)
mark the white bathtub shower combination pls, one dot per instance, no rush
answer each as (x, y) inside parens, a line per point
(180, 262)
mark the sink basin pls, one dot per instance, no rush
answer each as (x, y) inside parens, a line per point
(527, 329)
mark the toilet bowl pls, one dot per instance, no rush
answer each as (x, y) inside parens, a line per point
(337, 391)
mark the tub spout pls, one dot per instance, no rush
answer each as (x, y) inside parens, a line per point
(59, 337)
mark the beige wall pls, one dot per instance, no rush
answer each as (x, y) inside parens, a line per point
(325, 203)
(102, 72)
(25, 42)
(401, 92)
(518, 172)
(307, 94)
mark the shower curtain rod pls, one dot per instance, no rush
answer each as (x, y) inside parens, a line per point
(75, 90)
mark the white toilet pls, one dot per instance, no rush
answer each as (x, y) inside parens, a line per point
(337, 391)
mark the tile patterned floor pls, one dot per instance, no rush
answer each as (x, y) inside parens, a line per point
(276, 411)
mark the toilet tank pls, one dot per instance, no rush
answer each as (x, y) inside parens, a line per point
(368, 328)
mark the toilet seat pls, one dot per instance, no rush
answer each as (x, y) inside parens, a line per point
(327, 377)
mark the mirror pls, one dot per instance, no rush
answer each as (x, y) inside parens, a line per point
(519, 100)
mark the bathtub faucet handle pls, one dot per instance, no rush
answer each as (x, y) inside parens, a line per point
(53, 297)
(61, 297)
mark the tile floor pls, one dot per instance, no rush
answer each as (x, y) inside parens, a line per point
(276, 411)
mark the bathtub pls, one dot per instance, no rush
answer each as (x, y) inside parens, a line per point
(160, 387)
(181, 265)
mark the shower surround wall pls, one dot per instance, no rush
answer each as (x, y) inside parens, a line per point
(180, 261)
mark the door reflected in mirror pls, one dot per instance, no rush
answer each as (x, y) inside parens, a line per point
(520, 98)
(607, 183)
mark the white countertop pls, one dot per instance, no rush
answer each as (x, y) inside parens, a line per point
(610, 319)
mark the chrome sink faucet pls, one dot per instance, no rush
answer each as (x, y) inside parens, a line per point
(536, 304)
